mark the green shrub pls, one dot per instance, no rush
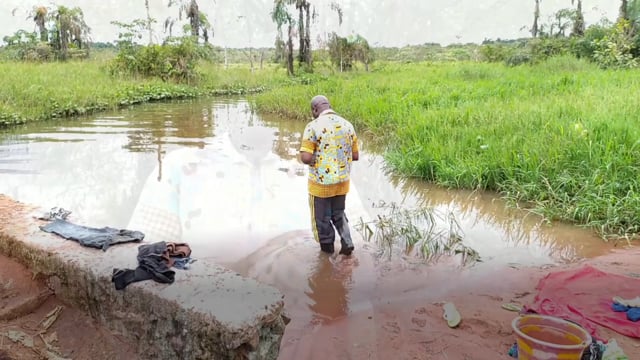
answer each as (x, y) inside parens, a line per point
(175, 60)
(615, 50)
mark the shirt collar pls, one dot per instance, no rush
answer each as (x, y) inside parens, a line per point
(328, 111)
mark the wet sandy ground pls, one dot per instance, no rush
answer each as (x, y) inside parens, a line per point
(25, 304)
(366, 308)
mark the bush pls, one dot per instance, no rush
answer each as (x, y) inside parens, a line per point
(585, 47)
(519, 58)
(544, 48)
(496, 52)
(615, 50)
(175, 60)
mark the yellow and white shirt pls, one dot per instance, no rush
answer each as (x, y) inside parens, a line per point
(332, 140)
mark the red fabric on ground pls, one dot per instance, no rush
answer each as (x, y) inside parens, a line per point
(585, 296)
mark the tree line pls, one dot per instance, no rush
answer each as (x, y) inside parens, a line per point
(62, 33)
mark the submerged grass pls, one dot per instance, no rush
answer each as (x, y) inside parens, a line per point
(561, 137)
(34, 92)
(420, 231)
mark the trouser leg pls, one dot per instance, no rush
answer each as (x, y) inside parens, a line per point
(321, 225)
(340, 221)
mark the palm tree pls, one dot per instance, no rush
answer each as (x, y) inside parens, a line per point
(624, 10)
(536, 16)
(205, 26)
(633, 12)
(304, 29)
(40, 18)
(69, 28)
(188, 8)
(281, 16)
(149, 21)
(578, 21)
(197, 19)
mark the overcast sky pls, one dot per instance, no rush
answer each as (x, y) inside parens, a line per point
(382, 22)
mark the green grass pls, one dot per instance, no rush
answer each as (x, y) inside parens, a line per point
(415, 232)
(561, 137)
(34, 92)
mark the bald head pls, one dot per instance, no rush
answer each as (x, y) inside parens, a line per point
(319, 103)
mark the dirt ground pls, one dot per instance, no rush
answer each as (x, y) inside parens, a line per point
(31, 315)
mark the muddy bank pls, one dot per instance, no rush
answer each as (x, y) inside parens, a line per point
(366, 307)
(29, 309)
(208, 312)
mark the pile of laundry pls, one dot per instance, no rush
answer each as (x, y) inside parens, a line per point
(154, 260)
(99, 238)
(154, 263)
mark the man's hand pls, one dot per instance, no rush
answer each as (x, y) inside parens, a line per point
(307, 158)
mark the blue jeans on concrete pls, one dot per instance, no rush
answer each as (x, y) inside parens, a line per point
(99, 238)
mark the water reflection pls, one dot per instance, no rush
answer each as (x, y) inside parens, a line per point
(489, 226)
(100, 168)
(484, 215)
(328, 290)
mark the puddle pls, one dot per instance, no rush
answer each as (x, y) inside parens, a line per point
(214, 174)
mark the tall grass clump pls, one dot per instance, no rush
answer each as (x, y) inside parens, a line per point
(560, 137)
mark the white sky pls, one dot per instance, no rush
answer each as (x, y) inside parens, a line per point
(382, 22)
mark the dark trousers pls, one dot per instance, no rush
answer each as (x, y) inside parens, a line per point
(327, 213)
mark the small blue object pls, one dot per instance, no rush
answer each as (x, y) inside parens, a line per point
(182, 263)
(633, 314)
(619, 307)
(513, 352)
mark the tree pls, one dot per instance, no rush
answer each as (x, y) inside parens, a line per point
(304, 30)
(205, 26)
(578, 21)
(69, 29)
(562, 19)
(630, 11)
(345, 51)
(40, 18)
(536, 17)
(281, 16)
(149, 21)
(624, 10)
(197, 19)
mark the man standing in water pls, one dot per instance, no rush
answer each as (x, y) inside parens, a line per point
(329, 145)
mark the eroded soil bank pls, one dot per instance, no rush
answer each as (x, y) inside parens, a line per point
(26, 302)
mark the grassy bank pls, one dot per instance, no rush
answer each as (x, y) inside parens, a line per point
(33, 92)
(561, 136)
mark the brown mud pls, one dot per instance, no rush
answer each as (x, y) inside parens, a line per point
(31, 317)
(367, 308)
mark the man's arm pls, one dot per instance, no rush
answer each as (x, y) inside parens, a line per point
(355, 151)
(308, 146)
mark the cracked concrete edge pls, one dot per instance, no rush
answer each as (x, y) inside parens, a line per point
(161, 328)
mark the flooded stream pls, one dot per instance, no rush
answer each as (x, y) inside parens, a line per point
(212, 173)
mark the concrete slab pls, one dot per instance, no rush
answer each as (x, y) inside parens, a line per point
(209, 312)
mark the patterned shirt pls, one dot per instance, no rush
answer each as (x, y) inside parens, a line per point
(332, 140)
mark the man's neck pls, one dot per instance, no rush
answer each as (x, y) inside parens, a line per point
(327, 111)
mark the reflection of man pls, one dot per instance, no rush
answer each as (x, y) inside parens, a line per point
(328, 291)
(329, 145)
(225, 199)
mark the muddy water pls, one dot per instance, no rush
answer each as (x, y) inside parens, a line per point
(226, 180)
